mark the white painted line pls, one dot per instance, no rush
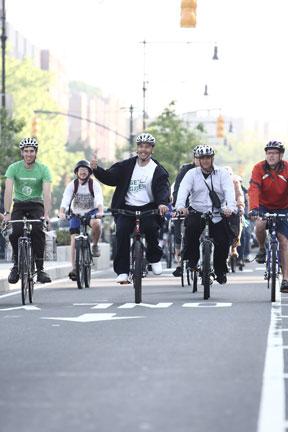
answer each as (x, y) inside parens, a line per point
(92, 317)
(150, 306)
(102, 306)
(206, 305)
(260, 268)
(28, 307)
(272, 405)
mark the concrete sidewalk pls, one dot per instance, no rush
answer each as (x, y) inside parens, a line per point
(56, 269)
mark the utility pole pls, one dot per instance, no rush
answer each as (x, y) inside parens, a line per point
(3, 51)
(131, 136)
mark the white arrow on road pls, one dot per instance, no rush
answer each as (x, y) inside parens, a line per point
(91, 317)
(28, 307)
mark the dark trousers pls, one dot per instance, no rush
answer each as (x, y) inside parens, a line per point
(125, 225)
(31, 210)
(194, 226)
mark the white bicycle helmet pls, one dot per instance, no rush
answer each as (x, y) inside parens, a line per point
(275, 145)
(28, 142)
(146, 138)
(204, 150)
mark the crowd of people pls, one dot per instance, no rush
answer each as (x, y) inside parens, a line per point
(142, 183)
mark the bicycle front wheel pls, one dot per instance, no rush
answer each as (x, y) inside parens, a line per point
(87, 264)
(138, 271)
(23, 270)
(206, 268)
(194, 278)
(31, 267)
(273, 271)
(80, 265)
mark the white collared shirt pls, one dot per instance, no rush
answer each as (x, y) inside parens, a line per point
(193, 184)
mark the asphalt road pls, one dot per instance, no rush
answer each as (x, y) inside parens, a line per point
(92, 360)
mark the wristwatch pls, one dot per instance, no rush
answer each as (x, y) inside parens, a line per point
(6, 213)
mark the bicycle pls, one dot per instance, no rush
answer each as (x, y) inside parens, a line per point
(26, 261)
(138, 263)
(273, 265)
(205, 270)
(84, 257)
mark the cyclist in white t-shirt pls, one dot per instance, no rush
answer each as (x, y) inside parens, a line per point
(141, 184)
(82, 196)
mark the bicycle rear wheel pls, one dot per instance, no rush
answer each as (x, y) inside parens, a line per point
(87, 264)
(206, 268)
(80, 265)
(23, 270)
(273, 271)
(137, 270)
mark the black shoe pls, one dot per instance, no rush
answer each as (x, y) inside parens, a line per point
(43, 277)
(261, 256)
(221, 278)
(177, 272)
(284, 286)
(14, 275)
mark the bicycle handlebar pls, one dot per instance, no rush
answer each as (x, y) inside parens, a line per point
(135, 213)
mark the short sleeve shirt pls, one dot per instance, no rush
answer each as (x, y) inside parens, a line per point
(28, 182)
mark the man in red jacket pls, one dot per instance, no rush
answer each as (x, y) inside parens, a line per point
(268, 191)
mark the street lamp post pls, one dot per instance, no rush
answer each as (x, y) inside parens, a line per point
(3, 51)
(131, 136)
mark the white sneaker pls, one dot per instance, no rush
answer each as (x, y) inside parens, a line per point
(157, 268)
(122, 278)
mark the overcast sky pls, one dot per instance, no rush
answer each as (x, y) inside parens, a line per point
(100, 42)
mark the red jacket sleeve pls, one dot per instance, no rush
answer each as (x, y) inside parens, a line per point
(255, 186)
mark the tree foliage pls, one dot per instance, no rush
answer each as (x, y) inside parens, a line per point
(174, 141)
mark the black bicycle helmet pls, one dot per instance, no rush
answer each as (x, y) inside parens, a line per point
(83, 163)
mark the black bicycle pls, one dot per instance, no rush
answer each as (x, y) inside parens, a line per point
(205, 271)
(26, 261)
(138, 262)
(273, 265)
(84, 258)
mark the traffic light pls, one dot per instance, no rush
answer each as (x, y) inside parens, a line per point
(220, 129)
(188, 13)
(35, 127)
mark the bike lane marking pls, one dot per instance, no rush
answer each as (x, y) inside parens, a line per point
(92, 317)
(272, 403)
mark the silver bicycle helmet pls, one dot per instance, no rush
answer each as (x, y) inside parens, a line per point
(275, 145)
(204, 150)
(195, 150)
(146, 138)
(28, 142)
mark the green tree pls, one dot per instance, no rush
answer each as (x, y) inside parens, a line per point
(9, 139)
(175, 142)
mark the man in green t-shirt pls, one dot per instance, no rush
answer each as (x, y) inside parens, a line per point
(31, 182)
